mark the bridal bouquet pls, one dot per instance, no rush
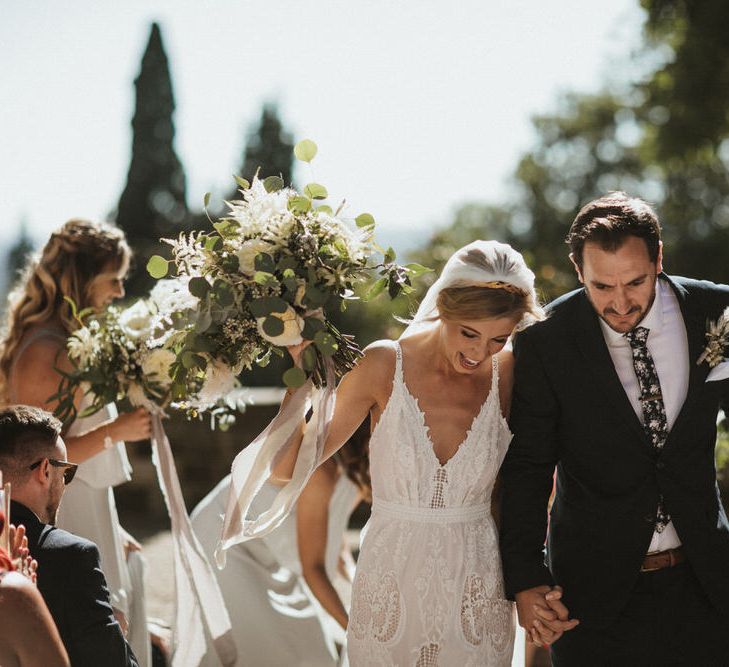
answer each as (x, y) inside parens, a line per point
(122, 353)
(267, 274)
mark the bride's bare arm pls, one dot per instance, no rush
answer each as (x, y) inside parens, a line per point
(359, 391)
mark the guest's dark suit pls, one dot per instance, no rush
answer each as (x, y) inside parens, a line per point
(570, 410)
(74, 588)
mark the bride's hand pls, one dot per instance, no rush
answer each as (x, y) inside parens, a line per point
(131, 426)
(295, 351)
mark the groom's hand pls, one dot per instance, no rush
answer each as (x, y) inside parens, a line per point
(543, 615)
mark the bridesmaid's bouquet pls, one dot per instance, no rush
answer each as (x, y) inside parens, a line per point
(266, 276)
(121, 354)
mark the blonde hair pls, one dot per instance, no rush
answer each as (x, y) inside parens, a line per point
(76, 256)
(488, 301)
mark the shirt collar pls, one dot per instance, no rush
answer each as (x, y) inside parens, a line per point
(653, 320)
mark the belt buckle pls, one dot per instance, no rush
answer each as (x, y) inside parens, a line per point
(650, 569)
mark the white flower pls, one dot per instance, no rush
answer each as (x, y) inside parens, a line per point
(172, 295)
(259, 208)
(136, 321)
(157, 364)
(219, 381)
(355, 242)
(248, 252)
(138, 398)
(293, 326)
(83, 347)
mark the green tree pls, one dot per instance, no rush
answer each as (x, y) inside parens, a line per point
(663, 137)
(153, 202)
(269, 147)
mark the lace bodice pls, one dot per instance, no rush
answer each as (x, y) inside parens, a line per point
(403, 464)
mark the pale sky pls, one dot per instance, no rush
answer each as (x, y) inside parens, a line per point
(416, 105)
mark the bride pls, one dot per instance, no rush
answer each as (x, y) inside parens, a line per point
(428, 588)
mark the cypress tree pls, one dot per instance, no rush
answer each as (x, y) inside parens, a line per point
(269, 147)
(153, 202)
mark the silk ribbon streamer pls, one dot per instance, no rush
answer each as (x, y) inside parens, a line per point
(199, 603)
(252, 468)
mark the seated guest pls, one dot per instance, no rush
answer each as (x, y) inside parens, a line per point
(33, 459)
(28, 636)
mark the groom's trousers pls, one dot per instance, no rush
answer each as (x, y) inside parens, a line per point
(668, 621)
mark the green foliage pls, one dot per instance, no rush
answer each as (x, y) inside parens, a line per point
(305, 150)
(157, 266)
(664, 137)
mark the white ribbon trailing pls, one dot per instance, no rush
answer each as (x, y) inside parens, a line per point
(719, 372)
(199, 602)
(252, 468)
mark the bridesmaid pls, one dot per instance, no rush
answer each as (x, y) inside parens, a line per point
(87, 262)
(287, 593)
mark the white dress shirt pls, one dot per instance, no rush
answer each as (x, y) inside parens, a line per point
(668, 345)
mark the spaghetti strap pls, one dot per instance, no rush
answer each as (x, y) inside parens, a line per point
(398, 380)
(494, 372)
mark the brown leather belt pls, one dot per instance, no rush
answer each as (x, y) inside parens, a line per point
(662, 559)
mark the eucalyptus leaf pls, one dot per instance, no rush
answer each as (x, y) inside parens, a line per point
(157, 266)
(308, 358)
(294, 377)
(223, 293)
(266, 305)
(273, 183)
(230, 263)
(198, 286)
(264, 262)
(416, 270)
(313, 297)
(325, 343)
(316, 191)
(390, 255)
(273, 326)
(242, 182)
(299, 205)
(264, 278)
(324, 208)
(211, 242)
(287, 263)
(312, 325)
(364, 220)
(376, 289)
(198, 343)
(204, 320)
(305, 150)
(206, 199)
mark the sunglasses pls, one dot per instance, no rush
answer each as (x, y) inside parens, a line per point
(69, 468)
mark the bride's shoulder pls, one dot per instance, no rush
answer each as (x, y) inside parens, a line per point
(379, 356)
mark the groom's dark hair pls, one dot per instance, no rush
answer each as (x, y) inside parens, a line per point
(26, 434)
(610, 220)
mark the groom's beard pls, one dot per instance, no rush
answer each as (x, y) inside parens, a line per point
(635, 315)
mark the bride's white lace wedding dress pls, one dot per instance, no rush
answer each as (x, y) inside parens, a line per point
(428, 588)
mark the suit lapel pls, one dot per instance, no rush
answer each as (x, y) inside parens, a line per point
(695, 322)
(591, 342)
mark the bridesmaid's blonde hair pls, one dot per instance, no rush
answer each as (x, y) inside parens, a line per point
(75, 259)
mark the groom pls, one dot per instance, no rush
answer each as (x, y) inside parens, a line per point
(608, 391)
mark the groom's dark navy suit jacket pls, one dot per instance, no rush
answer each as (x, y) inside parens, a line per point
(570, 410)
(74, 589)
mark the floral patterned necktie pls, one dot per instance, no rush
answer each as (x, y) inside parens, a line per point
(655, 423)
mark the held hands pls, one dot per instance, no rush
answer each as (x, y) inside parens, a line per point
(543, 614)
(131, 426)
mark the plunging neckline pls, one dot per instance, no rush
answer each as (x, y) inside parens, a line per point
(426, 429)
